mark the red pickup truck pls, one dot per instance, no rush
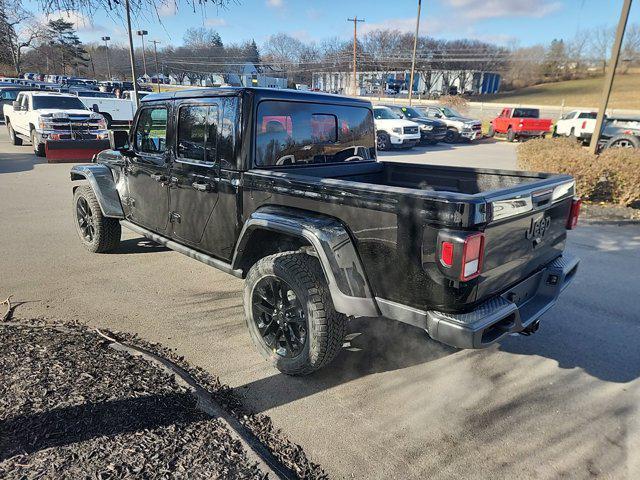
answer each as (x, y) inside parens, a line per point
(520, 122)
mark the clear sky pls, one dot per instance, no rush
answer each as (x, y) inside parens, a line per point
(501, 21)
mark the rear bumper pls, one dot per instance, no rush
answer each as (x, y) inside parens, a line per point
(510, 312)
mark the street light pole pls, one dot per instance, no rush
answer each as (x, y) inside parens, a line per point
(142, 33)
(131, 55)
(415, 45)
(608, 81)
(155, 55)
(355, 43)
(106, 46)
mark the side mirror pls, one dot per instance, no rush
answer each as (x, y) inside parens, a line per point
(95, 108)
(438, 115)
(16, 106)
(119, 139)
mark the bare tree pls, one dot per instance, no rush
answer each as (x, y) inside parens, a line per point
(20, 31)
(600, 41)
(631, 47)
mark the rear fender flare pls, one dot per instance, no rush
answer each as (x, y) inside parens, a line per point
(101, 180)
(331, 244)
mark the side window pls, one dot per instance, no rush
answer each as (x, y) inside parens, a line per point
(151, 130)
(24, 102)
(213, 137)
(570, 115)
(192, 124)
(296, 133)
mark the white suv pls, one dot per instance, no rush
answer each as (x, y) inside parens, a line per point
(393, 131)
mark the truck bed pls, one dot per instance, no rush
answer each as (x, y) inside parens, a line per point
(394, 212)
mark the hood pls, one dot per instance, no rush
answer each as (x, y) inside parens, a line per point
(463, 119)
(429, 121)
(394, 122)
(51, 111)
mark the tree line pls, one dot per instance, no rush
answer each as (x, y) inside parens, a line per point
(54, 47)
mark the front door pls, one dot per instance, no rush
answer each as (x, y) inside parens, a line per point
(195, 171)
(147, 170)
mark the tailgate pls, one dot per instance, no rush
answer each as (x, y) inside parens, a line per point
(527, 231)
(535, 124)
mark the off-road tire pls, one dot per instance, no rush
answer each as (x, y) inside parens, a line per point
(107, 230)
(511, 135)
(491, 132)
(38, 148)
(326, 328)
(15, 140)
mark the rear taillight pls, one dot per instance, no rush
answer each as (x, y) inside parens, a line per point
(574, 213)
(584, 125)
(446, 254)
(472, 252)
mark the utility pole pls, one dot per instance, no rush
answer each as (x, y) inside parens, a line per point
(608, 81)
(142, 33)
(131, 55)
(106, 46)
(155, 54)
(415, 45)
(355, 21)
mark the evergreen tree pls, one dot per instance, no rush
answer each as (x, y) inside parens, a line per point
(62, 37)
(251, 53)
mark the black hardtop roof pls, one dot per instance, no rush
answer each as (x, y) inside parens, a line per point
(258, 93)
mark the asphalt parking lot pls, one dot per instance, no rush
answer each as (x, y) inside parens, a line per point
(562, 403)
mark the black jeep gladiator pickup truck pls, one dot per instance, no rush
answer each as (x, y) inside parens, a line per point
(284, 189)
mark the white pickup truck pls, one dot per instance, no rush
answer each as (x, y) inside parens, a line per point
(393, 131)
(577, 123)
(49, 117)
(116, 111)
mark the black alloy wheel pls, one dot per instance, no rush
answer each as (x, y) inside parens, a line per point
(280, 316)
(85, 219)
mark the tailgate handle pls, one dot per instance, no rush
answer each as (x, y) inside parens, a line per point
(541, 198)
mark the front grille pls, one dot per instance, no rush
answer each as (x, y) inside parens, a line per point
(477, 126)
(410, 130)
(75, 124)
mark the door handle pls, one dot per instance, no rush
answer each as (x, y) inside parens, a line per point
(202, 187)
(159, 177)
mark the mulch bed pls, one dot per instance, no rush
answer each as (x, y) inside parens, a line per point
(72, 407)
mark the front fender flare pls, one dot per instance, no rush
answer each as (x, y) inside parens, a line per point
(101, 180)
(333, 247)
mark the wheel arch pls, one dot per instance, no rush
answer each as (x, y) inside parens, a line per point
(319, 235)
(100, 178)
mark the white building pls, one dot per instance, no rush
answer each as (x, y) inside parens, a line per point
(439, 81)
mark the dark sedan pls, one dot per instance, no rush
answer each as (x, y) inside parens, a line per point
(431, 131)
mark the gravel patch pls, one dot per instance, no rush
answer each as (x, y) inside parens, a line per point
(71, 407)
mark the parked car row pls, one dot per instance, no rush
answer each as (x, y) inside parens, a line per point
(399, 126)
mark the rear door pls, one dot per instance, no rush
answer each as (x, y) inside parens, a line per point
(195, 170)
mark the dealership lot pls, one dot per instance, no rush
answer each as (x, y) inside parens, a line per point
(562, 403)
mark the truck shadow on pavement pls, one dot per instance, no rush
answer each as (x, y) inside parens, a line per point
(19, 162)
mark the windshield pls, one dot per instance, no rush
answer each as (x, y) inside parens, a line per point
(450, 112)
(412, 112)
(384, 114)
(62, 103)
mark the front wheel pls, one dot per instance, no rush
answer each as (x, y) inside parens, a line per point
(98, 234)
(452, 136)
(38, 148)
(511, 135)
(491, 132)
(383, 141)
(290, 314)
(623, 141)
